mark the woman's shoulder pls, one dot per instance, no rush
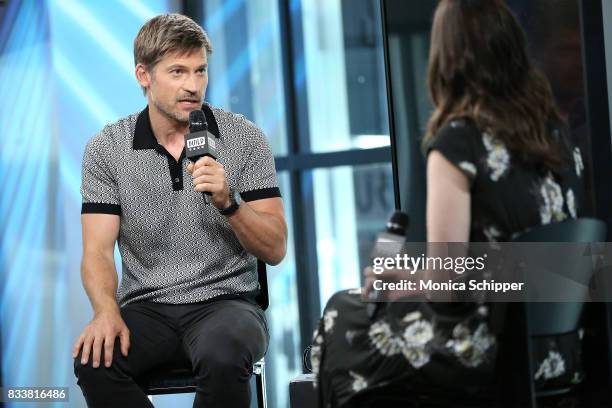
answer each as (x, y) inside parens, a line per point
(457, 136)
(458, 140)
(462, 129)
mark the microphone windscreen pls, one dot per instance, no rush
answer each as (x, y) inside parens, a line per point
(399, 222)
(197, 121)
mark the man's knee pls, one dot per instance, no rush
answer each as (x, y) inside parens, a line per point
(88, 374)
(230, 358)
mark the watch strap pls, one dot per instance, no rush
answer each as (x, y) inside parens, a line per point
(234, 205)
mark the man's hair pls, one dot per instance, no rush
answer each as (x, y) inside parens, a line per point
(168, 33)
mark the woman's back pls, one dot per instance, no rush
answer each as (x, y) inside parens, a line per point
(510, 195)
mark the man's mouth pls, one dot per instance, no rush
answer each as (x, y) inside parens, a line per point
(189, 102)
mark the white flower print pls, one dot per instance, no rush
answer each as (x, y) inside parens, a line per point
(383, 338)
(498, 158)
(468, 168)
(570, 201)
(315, 352)
(471, 349)
(315, 359)
(417, 357)
(515, 235)
(577, 378)
(551, 208)
(578, 161)
(491, 232)
(553, 366)
(354, 291)
(328, 320)
(418, 334)
(412, 344)
(349, 336)
(416, 337)
(416, 315)
(359, 382)
(483, 310)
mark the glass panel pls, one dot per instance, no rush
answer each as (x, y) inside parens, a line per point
(345, 81)
(246, 64)
(553, 29)
(71, 64)
(352, 204)
(283, 361)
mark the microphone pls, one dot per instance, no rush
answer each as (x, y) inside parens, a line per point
(199, 142)
(388, 243)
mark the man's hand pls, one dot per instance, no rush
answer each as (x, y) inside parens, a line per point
(101, 332)
(209, 176)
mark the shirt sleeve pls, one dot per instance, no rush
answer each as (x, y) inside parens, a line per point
(99, 188)
(258, 178)
(456, 142)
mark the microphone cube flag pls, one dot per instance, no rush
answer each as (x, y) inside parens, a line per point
(199, 144)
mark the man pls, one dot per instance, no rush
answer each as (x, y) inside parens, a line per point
(188, 269)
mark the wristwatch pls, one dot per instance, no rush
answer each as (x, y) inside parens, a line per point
(234, 203)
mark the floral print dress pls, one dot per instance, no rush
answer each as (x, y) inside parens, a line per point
(440, 353)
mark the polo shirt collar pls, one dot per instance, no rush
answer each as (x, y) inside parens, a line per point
(143, 134)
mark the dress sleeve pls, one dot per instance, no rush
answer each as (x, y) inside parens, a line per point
(456, 141)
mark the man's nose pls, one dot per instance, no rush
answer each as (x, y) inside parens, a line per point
(192, 84)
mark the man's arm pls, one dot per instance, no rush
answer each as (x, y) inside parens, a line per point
(259, 225)
(100, 231)
(261, 229)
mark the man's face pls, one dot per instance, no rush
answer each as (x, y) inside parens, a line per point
(178, 84)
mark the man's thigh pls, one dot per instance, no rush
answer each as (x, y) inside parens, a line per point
(153, 340)
(225, 331)
(153, 337)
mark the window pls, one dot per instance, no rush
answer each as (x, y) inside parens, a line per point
(310, 73)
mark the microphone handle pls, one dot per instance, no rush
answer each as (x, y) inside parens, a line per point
(374, 306)
(206, 196)
(371, 309)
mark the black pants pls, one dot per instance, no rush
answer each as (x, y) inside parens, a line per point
(222, 339)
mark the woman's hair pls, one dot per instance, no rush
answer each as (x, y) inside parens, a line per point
(479, 69)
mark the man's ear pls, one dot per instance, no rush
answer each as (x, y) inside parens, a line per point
(143, 76)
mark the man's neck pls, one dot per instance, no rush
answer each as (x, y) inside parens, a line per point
(168, 132)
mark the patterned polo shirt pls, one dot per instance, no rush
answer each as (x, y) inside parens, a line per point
(175, 248)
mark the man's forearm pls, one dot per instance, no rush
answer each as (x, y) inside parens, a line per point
(263, 235)
(100, 281)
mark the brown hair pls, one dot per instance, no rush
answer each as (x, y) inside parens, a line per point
(168, 33)
(479, 70)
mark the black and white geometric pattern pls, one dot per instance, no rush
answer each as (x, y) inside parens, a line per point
(175, 248)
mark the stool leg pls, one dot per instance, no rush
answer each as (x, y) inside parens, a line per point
(259, 369)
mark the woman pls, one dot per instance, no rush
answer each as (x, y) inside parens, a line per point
(499, 162)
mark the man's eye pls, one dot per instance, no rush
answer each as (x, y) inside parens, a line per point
(176, 72)
(202, 70)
